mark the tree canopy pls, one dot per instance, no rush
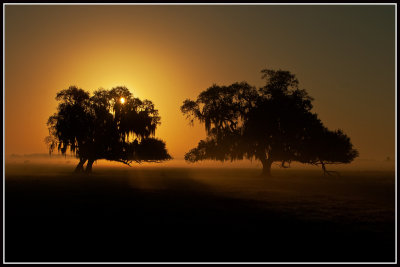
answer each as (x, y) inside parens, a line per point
(111, 124)
(274, 123)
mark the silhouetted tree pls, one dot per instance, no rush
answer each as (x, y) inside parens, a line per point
(322, 146)
(111, 125)
(272, 123)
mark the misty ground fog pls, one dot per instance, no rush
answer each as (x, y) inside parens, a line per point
(197, 214)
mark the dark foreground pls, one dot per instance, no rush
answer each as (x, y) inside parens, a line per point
(197, 215)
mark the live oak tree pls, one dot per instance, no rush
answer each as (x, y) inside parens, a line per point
(110, 124)
(322, 147)
(274, 123)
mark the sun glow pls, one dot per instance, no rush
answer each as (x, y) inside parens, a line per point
(122, 100)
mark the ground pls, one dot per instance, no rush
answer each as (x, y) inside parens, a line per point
(197, 215)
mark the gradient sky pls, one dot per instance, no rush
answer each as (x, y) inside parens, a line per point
(344, 56)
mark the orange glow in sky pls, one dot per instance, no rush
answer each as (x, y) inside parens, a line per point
(344, 56)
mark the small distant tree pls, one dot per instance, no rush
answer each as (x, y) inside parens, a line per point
(271, 124)
(110, 124)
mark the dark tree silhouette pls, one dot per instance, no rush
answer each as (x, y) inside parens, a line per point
(272, 124)
(111, 125)
(322, 146)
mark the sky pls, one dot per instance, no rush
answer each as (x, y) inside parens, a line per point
(343, 55)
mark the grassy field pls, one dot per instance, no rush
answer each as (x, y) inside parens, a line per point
(197, 215)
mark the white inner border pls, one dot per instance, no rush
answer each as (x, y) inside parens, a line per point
(202, 4)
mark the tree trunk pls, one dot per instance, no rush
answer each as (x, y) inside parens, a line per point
(89, 165)
(79, 167)
(324, 168)
(326, 172)
(266, 172)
